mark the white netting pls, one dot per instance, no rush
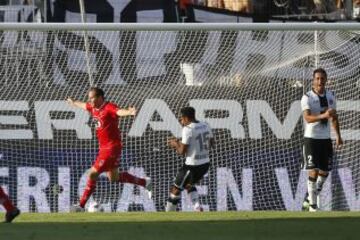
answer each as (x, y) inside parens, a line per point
(246, 84)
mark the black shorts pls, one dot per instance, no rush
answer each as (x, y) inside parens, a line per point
(188, 174)
(318, 154)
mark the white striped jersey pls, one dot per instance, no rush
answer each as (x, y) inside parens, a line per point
(317, 104)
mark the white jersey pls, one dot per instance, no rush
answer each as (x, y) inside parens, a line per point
(197, 136)
(311, 101)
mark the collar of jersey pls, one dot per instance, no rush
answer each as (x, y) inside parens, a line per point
(321, 95)
(97, 109)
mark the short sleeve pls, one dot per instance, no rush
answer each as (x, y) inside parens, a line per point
(210, 131)
(211, 135)
(186, 136)
(333, 104)
(113, 108)
(305, 103)
(88, 107)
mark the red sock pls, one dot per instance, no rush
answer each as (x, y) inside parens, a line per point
(90, 188)
(128, 178)
(5, 201)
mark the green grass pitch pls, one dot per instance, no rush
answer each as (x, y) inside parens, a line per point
(182, 225)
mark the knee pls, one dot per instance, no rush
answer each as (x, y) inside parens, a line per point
(175, 191)
(112, 179)
(313, 174)
(93, 175)
(190, 188)
(323, 173)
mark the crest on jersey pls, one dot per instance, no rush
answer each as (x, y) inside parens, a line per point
(331, 102)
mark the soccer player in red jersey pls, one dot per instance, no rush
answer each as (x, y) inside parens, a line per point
(11, 211)
(107, 130)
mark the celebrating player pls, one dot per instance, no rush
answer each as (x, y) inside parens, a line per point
(196, 141)
(107, 116)
(318, 106)
(11, 211)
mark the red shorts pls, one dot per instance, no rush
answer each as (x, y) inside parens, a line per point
(107, 159)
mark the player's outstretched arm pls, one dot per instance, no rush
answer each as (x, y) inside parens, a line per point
(130, 111)
(76, 103)
(177, 145)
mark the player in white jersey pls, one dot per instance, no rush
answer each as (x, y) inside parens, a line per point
(197, 139)
(319, 110)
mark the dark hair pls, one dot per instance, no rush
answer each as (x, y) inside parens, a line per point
(188, 112)
(320, 70)
(98, 91)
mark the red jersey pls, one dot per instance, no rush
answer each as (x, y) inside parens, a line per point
(107, 124)
(183, 3)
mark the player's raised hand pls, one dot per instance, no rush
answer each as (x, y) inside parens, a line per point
(132, 111)
(70, 101)
(76, 103)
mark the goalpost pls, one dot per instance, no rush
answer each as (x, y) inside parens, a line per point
(245, 80)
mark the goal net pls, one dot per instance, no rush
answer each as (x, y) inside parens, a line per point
(246, 83)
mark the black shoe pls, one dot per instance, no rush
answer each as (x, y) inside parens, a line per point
(313, 208)
(11, 215)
